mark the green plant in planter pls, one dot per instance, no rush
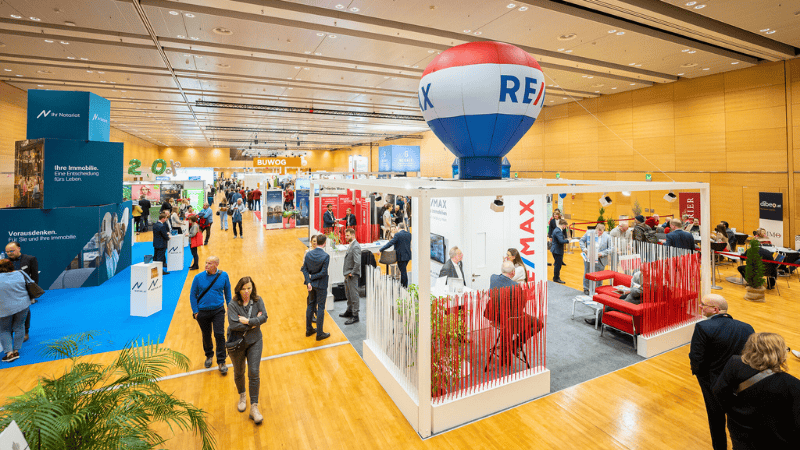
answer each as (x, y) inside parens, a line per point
(754, 271)
(334, 239)
(637, 208)
(94, 407)
(611, 224)
(600, 218)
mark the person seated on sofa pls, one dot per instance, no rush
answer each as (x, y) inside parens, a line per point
(495, 311)
(770, 269)
(634, 296)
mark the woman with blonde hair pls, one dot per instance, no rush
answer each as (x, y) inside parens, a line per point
(761, 400)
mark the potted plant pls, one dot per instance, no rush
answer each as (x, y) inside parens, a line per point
(754, 274)
(95, 406)
(611, 224)
(637, 208)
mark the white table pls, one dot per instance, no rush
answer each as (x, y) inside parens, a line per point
(589, 303)
(175, 253)
(146, 289)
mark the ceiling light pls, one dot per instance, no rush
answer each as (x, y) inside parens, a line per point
(102, 81)
(706, 68)
(568, 51)
(680, 74)
(415, 67)
(691, 3)
(596, 92)
(180, 36)
(198, 57)
(332, 36)
(224, 66)
(563, 98)
(16, 16)
(633, 84)
(590, 77)
(70, 57)
(764, 30)
(100, 72)
(354, 9)
(339, 6)
(638, 65)
(685, 50)
(612, 31)
(189, 15)
(735, 62)
(605, 200)
(523, 8)
(511, 5)
(567, 37)
(48, 41)
(320, 34)
(613, 88)
(174, 13)
(35, 19)
(40, 85)
(770, 32)
(65, 43)
(318, 53)
(561, 50)
(88, 71)
(194, 38)
(7, 70)
(46, 72)
(620, 33)
(692, 52)
(19, 75)
(467, 31)
(699, 6)
(306, 68)
(223, 31)
(478, 33)
(431, 51)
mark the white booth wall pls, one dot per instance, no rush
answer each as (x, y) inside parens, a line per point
(205, 173)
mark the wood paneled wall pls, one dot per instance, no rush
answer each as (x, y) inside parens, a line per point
(14, 114)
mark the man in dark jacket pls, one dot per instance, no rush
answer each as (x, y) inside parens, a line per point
(328, 219)
(515, 335)
(642, 232)
(145, 205)
(557, 249)
(349, 218)
(315, 272)
(402, 246)
(27, 264)
(678, 238)
(714, 342)
(161, 240)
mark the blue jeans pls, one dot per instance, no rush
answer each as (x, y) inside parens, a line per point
(12, 330)
(223, 225)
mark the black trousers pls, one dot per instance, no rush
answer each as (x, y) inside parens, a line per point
(716, 416)
(558, 261)
(28, 321)
(316, 302)
(160, 254)
(213, 319)
(240, 228)
(208, 233)
(195, 259)
(402, 267)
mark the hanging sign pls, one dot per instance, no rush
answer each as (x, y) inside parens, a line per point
(278, 162)
(690, 204)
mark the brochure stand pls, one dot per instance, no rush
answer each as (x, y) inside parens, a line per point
(175, 253)
(146, 289)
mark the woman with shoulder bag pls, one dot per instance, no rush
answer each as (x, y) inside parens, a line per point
(223, 214)
(195, 240)
(13, 308)
(236, 218)
(246, 314)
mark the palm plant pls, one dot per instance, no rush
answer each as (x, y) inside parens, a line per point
(97, 407)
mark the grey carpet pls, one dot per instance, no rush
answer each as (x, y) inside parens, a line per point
(575, 350)
(305, 241)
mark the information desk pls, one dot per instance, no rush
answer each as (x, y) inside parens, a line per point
(336, 266)
(175, 253)
(146, 289)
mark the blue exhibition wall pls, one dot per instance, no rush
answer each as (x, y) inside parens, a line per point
(72, 245)
(68, 115)
(81, 173)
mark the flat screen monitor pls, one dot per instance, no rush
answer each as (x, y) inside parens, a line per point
(438, 250)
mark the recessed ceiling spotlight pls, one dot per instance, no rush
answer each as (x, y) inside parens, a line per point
(19, 75)
(307, 52)
(189, 15)
(415, 67)
(584, 76)
(612, 31)
(70, 57)
(223, 31)
(561, 50)
(431, 51)
(590, 77)
(16, 16)
(596, 92)
(478, 33)
(100, 72)
(354, 9)
(194, 38)
(318, 53)
(687, 65)
(568, 51)
(632, 64)
(291, 89)
(49, 41)
(613, 88)
(467, 31)
(692, 52)
(174, 13)
(735, 62)
(102, 81)
(567, 37)
(35, 19)
(685, 50)
(699, 6)
(306, 68)
(563, 98)
(386, 78)
(706, 68)
(7, 70)
(88, 71)
(523, 8)
(770, 32)
(633, 84)
(198, 57)
(180, 36)
(339, 6)
(511, 6)
(296, 67)
(691, 3)
(638, 65)
(332, 36)
(764, 30)
(620, 33)
(46, 72)
(320, 34)
(65, 43)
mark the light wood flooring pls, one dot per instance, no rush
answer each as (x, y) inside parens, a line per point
(328, 398)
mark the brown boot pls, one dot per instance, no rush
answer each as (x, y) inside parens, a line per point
(242, 405)
(255, 414)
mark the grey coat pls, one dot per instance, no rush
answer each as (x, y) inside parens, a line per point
(254, 328)
(352, 260)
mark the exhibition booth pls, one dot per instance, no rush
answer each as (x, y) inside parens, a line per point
(441, 361)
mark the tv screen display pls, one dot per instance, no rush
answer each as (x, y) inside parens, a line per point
(438, 251)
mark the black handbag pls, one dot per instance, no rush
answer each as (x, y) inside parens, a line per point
(237, 344)
(34, 290)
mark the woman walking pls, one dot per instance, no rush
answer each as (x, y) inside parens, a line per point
(223, 214)
(195, 240)
(236, 218)
(137, 217)
(246, 314)
(13, 308)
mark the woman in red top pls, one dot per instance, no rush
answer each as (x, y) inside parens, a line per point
(288, 198)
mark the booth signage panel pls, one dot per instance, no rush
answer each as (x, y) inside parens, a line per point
(277, 162)
(274, 204)
(301, 204)
(68, 115)
(175, 253)
(385, 159)
(75, 247)
(146, 289)
(196, 198)
(689, 203)
(399, 158)
(770, 215)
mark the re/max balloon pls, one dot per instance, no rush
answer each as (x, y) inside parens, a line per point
(479, 99)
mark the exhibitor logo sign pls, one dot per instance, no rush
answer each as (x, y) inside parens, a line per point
(439, 209)
(52, 115)
(101, 119)
(770, 205)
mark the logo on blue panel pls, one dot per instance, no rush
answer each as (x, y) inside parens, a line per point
(101, 119)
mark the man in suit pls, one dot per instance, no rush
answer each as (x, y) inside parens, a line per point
(349, 218)
(27, 264)
(328, 219)
(453, 267)
(603, 247)
(402, 246)
(558, 240)
(161, 240)
(714, 342)
(315, 272)
(518, 333)
(678, 238)
(352, 272)
(145, 205)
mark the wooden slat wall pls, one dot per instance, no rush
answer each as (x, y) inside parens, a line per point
(13, 110)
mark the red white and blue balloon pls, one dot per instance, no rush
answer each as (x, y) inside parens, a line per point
(479, 99)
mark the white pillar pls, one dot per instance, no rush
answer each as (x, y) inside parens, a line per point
(705, 245)
(311, 210)
(423, 261)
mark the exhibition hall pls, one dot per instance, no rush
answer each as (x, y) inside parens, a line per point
(473, 224)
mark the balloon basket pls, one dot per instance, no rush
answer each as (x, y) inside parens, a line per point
(480, 168)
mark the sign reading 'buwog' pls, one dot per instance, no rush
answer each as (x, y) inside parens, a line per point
(277, 162)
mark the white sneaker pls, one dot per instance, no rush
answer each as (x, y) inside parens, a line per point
(796, 353)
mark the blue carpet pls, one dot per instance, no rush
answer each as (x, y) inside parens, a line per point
(106, 308)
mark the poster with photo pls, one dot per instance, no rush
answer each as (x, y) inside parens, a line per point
(126, 193)
(301, 204)
(274, 209)
(172, 191)
(28, 174)
(151, 192)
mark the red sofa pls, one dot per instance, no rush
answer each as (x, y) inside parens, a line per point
(628, 317)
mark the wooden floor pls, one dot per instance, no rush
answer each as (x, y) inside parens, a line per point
(328, 398)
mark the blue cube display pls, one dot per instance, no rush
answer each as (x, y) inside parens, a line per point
(68, 115)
